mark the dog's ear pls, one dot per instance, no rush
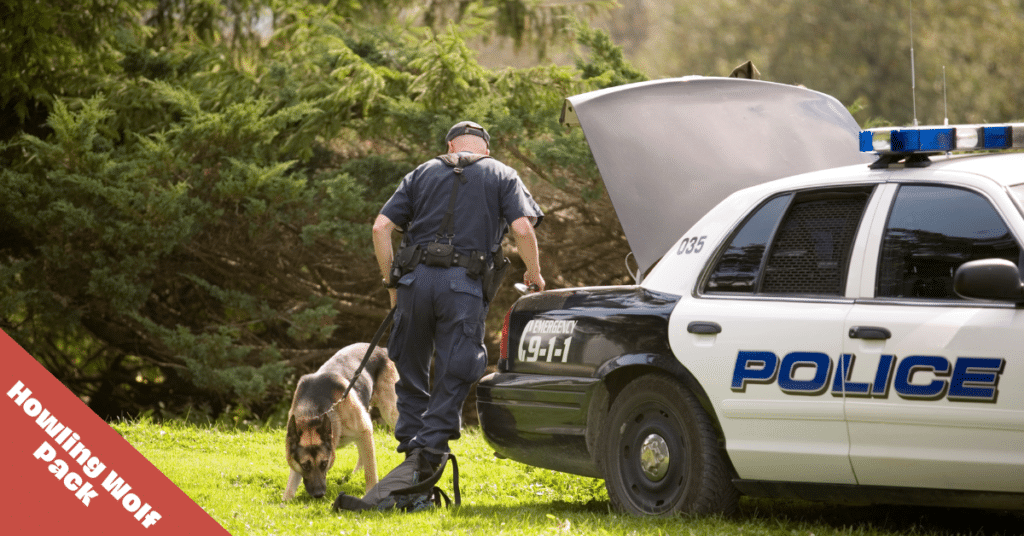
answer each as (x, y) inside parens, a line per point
(293, 430)
(323, 429)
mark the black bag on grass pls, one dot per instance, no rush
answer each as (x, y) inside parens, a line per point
(410, 487)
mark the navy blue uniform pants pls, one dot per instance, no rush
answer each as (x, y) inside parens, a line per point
(442, 309)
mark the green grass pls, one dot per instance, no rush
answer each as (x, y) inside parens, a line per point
(238, 477)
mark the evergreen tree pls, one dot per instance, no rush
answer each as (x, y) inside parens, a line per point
(197, 231)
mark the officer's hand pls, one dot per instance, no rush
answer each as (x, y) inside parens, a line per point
(393, 292)
(535, 280)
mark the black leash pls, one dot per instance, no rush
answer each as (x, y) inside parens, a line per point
(369, 350)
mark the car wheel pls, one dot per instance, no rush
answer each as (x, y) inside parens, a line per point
(660, 455)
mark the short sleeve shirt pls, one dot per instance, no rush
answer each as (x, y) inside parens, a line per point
(492, 197)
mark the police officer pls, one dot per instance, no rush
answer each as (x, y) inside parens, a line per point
(440, 301)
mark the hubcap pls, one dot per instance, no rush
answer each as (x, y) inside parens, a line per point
(654, 457)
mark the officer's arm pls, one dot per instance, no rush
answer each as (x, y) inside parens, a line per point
(526, 242)
(383, 248)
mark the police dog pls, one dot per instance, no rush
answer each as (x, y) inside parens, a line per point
(319, 421)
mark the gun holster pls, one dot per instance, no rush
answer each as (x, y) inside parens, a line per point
(495, 275)
(404, 262)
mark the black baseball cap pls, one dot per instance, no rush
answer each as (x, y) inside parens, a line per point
(467, 127)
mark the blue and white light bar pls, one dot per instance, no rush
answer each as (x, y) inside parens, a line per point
(941, 139)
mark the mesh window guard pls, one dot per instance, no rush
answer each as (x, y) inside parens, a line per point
(812, 250)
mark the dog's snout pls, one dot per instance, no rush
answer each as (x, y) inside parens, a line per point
(316, 489)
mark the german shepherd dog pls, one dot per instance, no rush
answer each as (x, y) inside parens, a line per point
(319, 421)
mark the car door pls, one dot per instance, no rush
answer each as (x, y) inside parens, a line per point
(931, 379)
(764, 329)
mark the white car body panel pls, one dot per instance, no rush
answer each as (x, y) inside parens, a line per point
(938, 443)
(770, 435)
(774, 436)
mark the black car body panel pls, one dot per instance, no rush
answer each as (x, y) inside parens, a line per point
(560, 345)
(602, 323)
(538, 420)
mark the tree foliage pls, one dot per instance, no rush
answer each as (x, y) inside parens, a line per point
(859, 51)
(198, 229)
(52, 47)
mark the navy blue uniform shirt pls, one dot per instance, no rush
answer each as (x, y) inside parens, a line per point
(492, 197)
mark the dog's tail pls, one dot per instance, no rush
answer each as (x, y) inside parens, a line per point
(385, 376)
(378, 362)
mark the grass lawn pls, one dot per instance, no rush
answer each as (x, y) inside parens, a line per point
(238, 477)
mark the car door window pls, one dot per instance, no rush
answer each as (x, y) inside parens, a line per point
(809, 252)
(931, 231)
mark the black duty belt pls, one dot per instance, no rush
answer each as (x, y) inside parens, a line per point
(461, 260)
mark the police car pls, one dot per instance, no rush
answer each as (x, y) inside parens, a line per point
(844, 325)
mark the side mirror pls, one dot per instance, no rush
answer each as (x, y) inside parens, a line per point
(989, 279)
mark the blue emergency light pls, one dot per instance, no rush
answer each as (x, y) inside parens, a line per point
(942, 139)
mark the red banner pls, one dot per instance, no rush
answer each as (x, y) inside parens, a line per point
(68, 472)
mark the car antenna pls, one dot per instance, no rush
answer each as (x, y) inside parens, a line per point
(913, 75)
(945, 109)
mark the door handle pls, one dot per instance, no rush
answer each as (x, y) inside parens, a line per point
(704, 328)
(871, 333)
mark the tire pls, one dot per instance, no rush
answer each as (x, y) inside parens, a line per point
(659, 453)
